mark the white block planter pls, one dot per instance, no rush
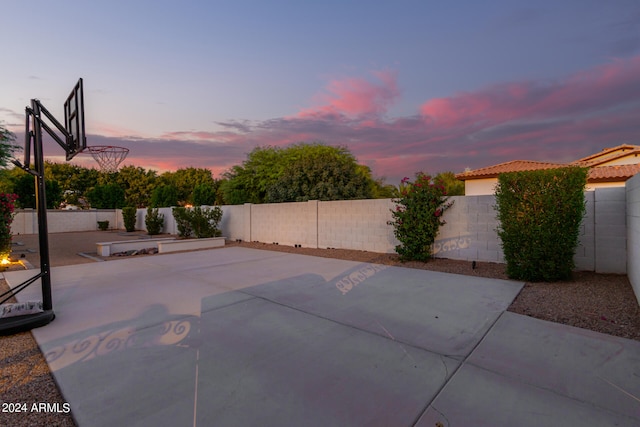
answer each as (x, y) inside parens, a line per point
(109, 248)
(190, 244)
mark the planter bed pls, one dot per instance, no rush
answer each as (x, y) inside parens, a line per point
(190, 244)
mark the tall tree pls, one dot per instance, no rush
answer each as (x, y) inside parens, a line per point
(320, 172)
(25, 187)
(185, 180)
(74, 180)
(7, 146)
(298, 172)
(138, 185)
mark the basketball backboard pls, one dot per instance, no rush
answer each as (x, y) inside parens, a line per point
(74, 121)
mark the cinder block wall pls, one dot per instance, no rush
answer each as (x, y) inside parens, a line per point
(585, 257)
(470, 230)
(610, 240)
(284, 223)
(25, 221)
(469, 234)
(356, 224)
(232, 223)
(633, 233)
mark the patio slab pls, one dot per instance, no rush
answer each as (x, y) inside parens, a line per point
(239, 336)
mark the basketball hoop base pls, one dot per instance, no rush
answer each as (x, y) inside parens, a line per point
(13, 325)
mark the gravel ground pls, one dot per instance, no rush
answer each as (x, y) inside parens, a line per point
(599, 302)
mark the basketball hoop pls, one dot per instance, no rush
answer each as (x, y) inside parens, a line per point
(108, 156)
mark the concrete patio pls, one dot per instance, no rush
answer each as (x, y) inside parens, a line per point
(238, 336)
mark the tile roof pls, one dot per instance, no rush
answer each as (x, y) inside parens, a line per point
(512, 166)
(608, 154)
(612, 173)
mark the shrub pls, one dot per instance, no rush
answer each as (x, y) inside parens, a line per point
(183, 221)
(154, 221)
(205, 221)
(197, 221)
(103, 225)
(7, 206)
(418, 215)
(540, 213)
(129, 218)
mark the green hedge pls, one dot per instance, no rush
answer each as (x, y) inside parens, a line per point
(540, 213)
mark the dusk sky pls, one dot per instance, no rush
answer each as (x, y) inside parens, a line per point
(407, 86)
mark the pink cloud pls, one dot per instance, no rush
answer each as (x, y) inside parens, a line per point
(591, 90)
(357, 96)
(561, 120)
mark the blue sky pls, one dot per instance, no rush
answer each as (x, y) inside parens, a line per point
(406, 85)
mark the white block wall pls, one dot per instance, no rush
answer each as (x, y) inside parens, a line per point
(356, 224)
(25, 221)
(610, 240)
(284, 223)
(469, 234)
(232, 223)
(633, 233)
(470, 230)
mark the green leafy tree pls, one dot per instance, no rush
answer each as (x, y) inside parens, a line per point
(106, 196)
(7, 146)
(25, 188)
(164, 196)
(418, 216)
(320, 172)
(138, 185)
(249, 182)
(453, 186)
(9, 178)
(204, 194)
(185, 180)
(299, 172)
(75, 181)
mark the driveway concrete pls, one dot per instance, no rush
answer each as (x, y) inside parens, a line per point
(239, 336)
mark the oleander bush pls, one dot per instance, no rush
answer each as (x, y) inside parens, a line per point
(540, 213)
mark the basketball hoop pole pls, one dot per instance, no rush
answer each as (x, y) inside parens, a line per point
(41, 207)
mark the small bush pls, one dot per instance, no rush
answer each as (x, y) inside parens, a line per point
(205, 221)
(103, 225)
(154, 221)
(418, 215)
(540, 213)
(197, 221)
(183, 221)
(129, 218)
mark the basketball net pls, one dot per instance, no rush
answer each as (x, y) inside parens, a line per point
(108, 157)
